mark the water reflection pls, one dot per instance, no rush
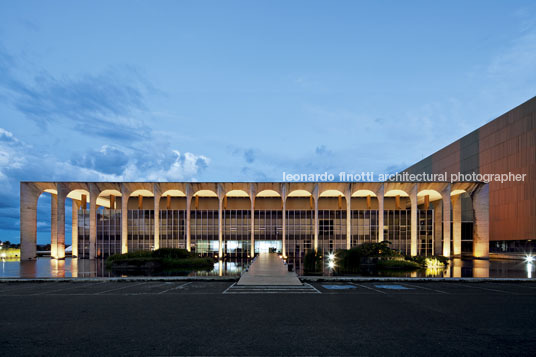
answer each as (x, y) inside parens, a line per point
(84, 268)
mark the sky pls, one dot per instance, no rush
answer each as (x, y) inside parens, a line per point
(246, 90)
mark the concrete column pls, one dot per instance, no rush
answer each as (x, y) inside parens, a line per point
(93, 194)
(221, 196)
(414, 221)
(379, 195)
(74, 227)
(445, 196)
(60, 226)
(29, 194)
(315, 197)
(481, 221)
(252, 195)
(252, 226)
(348, 198)
(438, 231)
(456, 225)
(125, 193)
(284, 211)
(53, 225)
(157, 195)
(189, 195)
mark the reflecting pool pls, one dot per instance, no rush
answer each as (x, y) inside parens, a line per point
(45, 267)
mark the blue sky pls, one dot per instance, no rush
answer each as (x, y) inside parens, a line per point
(246, 90)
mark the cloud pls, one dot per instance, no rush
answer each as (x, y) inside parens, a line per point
(322, 150)
(249, 156)
(108, 160)
(103, 104)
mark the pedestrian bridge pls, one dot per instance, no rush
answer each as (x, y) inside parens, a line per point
(269, 269)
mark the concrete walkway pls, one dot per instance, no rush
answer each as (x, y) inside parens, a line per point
(269, 269)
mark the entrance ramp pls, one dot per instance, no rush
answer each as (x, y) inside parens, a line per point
(269, 269)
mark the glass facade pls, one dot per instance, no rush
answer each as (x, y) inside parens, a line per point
(237, 233)
(425, 243)
(173, 229)
(83, 233)
(108, 232)
(140, 230)
(331, 230)
(300, 232)
(364, 227)
(268, 231)
(204, 231)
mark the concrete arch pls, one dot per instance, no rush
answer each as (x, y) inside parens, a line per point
(299, 193)
(395, 192)
(237, 193)
(331, 193)
(173, 193)
(432, 194)
(363, 193)
(205, 193)
(374, 187)
(268, 193)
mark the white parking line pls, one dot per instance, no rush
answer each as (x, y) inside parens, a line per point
(367, 287)
(313, 287)
(175, 288)
(123, 287)
(225, 291)
(481, 288)
(422, 287)
(71, 287)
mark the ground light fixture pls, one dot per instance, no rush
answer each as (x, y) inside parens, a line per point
(331, 261)
(529, 259)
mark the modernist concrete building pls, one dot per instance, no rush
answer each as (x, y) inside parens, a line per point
(242, 219)
(504, 145)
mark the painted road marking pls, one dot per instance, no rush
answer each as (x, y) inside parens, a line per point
(338, 287)
(392, 287)
(175, 288)
(368, 287)
(422, 287)
(123, 287)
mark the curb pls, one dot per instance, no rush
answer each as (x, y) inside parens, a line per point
(394, 279)
(118, 279)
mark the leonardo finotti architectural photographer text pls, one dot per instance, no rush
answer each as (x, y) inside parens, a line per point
(369, 176)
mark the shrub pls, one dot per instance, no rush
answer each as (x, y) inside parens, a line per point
(172, 253)
(312, 263)
(167, 258)
(398, 264)
(422, 260)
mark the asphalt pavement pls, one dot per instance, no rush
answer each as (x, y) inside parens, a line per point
(221, 318)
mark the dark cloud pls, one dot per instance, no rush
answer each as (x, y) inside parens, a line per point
(108, 160)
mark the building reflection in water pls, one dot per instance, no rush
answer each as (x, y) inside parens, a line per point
(84, 268)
